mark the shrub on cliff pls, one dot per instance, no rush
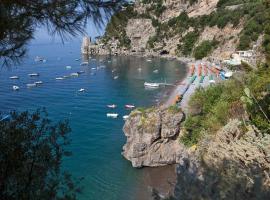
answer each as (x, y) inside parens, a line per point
(205, 48)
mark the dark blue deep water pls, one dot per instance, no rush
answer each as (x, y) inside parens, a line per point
(96, 140)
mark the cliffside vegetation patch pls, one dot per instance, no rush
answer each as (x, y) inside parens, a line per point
(247, 100)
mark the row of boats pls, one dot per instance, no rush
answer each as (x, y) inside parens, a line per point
(115, 115)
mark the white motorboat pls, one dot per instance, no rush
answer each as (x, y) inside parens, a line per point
(74, 74)
(81, 90)
(112, 115)
(151, 85)
(30, 85)
(38, 82)
(139, 69)
(112, 106)
(129, 106)
(59, 78)
(33, 74)
(81, 72)
(77, 59)
(68, 67)
(155, 71)
(66, 76)
(14, 77)
(93, 68)
(15, 87)
(116, 77)
(84, 63)
(149, 60)
(125, 117)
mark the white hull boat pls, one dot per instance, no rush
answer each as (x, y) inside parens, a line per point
(125, 117)
(128, 106)
(84, 63)
(74, 74)
(30, 85)
(112, 115)
(116, 77)
(38, 82)
(15, 87)
(14, 77)
(33, 74)
(59, 78)
(151, 85)
(112, 106)
(81, 90)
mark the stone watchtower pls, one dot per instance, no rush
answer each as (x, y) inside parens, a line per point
(88, 47)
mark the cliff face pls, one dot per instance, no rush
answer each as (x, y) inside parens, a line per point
(161, 26)
(152, 138)
(233, 164)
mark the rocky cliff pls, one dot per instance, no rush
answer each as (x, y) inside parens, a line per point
(178, 28)
(152, 137)
(233, 164)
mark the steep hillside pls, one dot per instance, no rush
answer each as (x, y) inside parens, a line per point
(196, 28)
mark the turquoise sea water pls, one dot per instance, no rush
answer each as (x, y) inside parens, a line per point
(96, 140)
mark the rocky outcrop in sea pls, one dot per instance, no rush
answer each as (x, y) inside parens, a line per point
(152, 137)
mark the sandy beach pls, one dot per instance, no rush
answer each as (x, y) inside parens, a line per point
(182, 85)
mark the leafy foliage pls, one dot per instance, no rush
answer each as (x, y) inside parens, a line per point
(214, 106)
(20, 19)
(32, 150)
(205, 48)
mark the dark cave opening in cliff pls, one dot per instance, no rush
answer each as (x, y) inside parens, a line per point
(164, 52)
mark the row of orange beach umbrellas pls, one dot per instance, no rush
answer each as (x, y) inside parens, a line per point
(213, 69)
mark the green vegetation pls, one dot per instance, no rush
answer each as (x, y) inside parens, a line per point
(205, 48)
(32, 151)
(213, 107)
(116, 27)
(188, 42)
(174, 109)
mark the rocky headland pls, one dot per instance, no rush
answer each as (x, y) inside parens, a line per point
(153, 137)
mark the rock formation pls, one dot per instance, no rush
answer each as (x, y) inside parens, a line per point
(152, 138)
(233, 164)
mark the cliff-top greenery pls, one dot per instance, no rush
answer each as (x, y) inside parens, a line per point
(246, 99)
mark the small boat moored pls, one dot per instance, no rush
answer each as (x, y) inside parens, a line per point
(129, 106)
(59, 78)
(112, 106)
(33, 74)
(151, 85)
(38, 82)
(112, 115)
(155, 71)
(125, 117)
(84, 63)
(30, 85)
(68, 67)
(81, 90)
(14, 77)
(116, 77)
(74, 74)
(15, 87)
